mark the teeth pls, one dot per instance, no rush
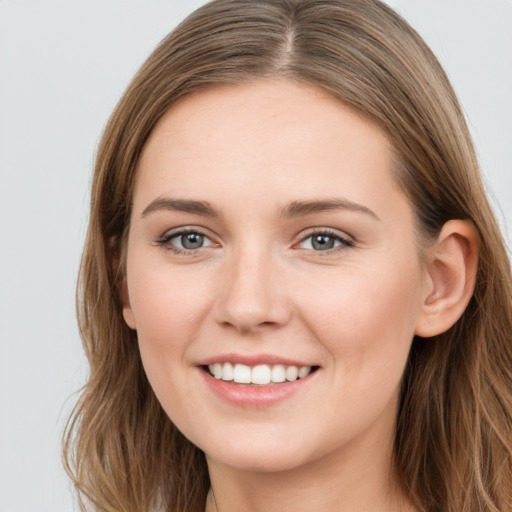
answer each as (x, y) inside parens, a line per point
(279, 372)
(217, 370)
(261, 374)
(292, 372)
(304, 371)
(227, 371)
(242, 374)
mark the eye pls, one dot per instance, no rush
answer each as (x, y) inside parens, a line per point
(185, 241)
(324, 241)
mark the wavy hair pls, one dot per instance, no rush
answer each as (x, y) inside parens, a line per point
(453, 447)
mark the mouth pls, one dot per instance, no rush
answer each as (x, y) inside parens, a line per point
(258, 375)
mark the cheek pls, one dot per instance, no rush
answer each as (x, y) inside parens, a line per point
(366, 319)
(168, 308)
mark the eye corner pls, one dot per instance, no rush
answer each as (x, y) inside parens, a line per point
(324, 241)
(188, 241)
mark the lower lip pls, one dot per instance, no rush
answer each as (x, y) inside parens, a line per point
(255, 396)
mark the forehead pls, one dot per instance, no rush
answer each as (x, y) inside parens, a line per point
(262, 139)
(244, 112)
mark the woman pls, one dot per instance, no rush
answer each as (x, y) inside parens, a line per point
(293, 291)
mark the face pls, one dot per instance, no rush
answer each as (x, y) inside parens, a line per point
(273, 276)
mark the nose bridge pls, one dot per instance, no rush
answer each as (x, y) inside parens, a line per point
(252, 294)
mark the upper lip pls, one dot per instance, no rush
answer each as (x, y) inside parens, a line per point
(253, 360)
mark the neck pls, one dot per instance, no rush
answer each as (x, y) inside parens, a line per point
(345, 481)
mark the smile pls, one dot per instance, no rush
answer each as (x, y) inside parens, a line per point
(261, 374)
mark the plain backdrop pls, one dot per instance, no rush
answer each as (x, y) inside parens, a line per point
(63, 66)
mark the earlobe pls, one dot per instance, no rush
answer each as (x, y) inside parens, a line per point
(128, 317)
(122, 289)
(127, 308)
(451, 266)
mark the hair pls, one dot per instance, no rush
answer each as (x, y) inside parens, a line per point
(453, 446)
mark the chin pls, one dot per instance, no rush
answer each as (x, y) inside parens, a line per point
(270, 454)
(256, 462)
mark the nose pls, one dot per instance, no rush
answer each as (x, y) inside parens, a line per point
(253, 294)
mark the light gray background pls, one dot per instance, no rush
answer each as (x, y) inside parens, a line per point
(63, 65)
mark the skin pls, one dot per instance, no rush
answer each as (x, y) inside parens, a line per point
(258, 286)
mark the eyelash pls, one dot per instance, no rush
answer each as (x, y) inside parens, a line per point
(344, 242)
(165, 241)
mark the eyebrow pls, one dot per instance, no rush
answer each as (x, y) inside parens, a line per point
(202, 208)
(303, 208)
(291, 210)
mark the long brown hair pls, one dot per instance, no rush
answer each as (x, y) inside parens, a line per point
(453, 447)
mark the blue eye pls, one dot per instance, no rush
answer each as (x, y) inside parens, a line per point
(185, 241)
(324, 241)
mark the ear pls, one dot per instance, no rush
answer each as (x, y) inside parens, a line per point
(122, 289)
(451, 275)
(125, 301)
